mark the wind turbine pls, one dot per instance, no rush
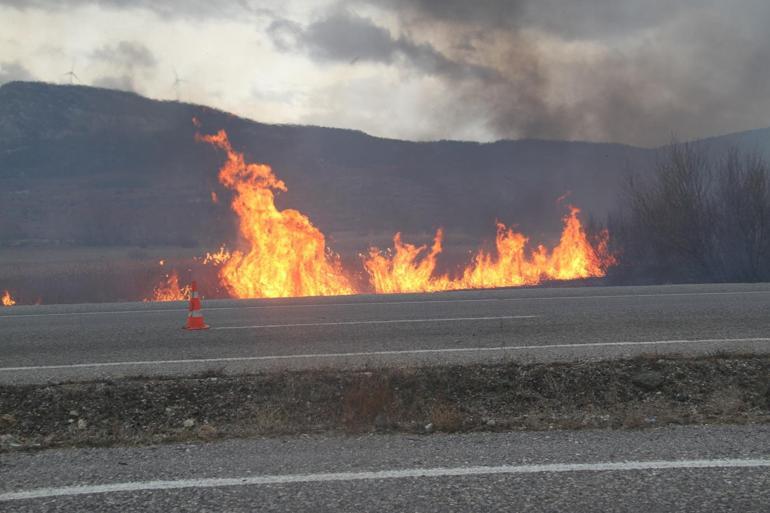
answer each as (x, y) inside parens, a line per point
(177, 83)
(71, 73)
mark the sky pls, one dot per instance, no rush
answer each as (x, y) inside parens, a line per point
(631, 71)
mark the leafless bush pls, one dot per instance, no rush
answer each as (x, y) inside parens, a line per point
(695, 218)
(744, 227)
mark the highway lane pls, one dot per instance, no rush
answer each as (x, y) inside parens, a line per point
(684, 469)
(43, 343)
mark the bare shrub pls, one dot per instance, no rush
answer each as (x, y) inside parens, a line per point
(744, 223)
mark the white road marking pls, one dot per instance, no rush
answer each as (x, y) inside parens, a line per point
(376, 321)
(412, 473)
(501, 349)
(405, 302)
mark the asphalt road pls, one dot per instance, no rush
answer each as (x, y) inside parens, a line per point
(72, 342)
(684, 469)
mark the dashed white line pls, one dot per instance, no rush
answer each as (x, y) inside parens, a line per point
(377, 321)
(501, 349)
(411, 473)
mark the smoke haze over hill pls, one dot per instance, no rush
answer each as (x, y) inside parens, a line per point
(92, 166)
(78, 163)
(626, 71)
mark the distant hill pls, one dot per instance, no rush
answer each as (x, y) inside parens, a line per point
(87, 166)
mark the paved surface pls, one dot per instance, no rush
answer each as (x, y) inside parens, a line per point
(69, 342)
(686, 469)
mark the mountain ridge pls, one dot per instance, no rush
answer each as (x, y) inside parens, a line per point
(90, 166)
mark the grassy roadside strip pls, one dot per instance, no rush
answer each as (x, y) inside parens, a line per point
(620, 394)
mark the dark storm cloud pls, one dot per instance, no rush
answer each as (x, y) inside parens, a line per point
(346, 37)
(10, 71)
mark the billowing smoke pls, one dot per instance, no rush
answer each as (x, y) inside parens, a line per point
(631, 71)
(129, 59)
(10, 71)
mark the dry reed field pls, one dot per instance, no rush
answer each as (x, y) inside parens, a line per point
(85, 275)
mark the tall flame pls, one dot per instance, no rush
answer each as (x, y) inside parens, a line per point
(169, 289)
(287, 255)
(412, 269)
(6, 299)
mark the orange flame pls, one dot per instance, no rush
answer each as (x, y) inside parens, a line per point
(6, 299)
(287, 255)
(218, 258)
(169, 290)
(410, 269)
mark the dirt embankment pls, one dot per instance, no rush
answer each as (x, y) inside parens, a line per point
(636, 393)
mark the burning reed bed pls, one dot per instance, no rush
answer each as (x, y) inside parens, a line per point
(628, 394)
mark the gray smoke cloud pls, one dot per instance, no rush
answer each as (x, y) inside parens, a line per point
(128, 59)
(571, 19)
(633, 71)
(120, 82)
(687, 67)
(348, 37)
(10, 71)
(127, 54)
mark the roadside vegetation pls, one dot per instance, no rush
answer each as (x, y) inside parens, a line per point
(637, 393)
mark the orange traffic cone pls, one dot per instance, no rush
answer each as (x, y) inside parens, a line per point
(195, 317)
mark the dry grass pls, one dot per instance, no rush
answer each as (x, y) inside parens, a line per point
(368, 401)
(270, 419)
(77, 275)
(447, 418)
(726, 402)
(461, 398)
(207, 432)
